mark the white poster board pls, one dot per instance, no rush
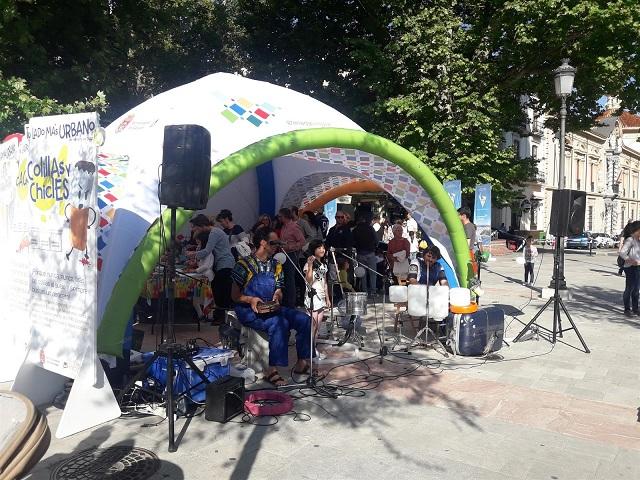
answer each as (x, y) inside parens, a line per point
(56, 293)
(15, 331)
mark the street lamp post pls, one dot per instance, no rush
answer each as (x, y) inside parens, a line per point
(563, 80)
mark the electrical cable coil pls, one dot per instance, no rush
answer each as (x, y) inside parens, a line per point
(279, 403)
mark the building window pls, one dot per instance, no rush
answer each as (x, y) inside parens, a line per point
(516, 147)
(622, 215)
(590, 218)
(578, 184)
(534, 152)
(593, 187)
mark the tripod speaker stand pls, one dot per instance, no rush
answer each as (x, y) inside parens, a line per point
(558, 305)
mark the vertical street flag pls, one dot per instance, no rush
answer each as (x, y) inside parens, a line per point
(482, 213)
(454, 190)
(330, 209)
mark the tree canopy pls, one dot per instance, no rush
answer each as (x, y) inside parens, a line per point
(442, 78)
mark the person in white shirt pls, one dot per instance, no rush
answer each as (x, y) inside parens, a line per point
(204, 268)
(412, 225)
(414, 245)
(529, 252)
(315, 270)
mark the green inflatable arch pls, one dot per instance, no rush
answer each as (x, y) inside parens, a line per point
(145, 257)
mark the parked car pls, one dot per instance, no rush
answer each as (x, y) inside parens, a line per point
(583, 240)
(602, 240)
(615, 239)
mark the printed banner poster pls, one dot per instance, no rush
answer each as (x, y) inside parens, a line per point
(15, 334)
(454, 190)
(55, 240)
(482, 213)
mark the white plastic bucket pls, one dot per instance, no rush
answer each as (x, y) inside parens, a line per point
(438, 302)
(417, 300)
(398, 294)
(460, 297)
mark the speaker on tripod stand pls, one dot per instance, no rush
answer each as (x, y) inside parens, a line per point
(567, 212)
(186, 167)
(186, 172)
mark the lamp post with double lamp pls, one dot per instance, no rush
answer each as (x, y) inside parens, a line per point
(563, 79)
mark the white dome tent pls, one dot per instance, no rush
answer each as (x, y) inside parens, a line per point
(270, 147)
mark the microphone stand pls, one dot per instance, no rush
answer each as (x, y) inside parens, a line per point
(311, 380)
(335, 263)
(384, 351)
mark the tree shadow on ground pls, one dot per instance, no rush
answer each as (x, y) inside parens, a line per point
(600, 304)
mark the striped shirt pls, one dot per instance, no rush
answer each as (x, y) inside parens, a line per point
(244, 268)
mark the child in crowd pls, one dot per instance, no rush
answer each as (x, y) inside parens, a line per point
(343, 275)
(315, 270)
(530, 252)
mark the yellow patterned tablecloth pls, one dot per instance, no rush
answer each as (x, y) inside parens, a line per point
(185, 287)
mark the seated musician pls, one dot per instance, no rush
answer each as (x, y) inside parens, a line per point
(426, 270)
(258, 279)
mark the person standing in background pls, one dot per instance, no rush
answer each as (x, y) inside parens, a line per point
(223, 263)
(293, 240)
(630, 253)
(623, 236)
(470, 231)
(366, 241)
(529, 252)
(225, 218)
(308, 230)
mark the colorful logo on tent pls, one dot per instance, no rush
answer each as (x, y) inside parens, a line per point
(243, 109)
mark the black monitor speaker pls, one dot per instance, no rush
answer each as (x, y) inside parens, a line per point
(186, 167)
(568, 209)
(224, 399)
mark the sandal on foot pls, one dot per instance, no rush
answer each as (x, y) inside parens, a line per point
(304, 371)
(275, 379)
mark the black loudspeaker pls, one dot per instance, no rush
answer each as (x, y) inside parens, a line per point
(567, 212)
(225, 399)
(186, 167)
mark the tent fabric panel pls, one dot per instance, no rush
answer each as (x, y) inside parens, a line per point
(394, 180)
(310, 187)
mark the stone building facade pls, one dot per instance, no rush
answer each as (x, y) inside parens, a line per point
(603, 161)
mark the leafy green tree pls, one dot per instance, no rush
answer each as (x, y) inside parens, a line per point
(18, 105)
(445, 78)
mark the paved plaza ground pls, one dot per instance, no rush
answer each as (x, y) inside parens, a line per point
(537, 411)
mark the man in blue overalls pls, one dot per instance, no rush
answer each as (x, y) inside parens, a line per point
(259, 278)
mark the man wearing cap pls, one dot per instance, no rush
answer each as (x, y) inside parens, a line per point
(426, 270)
(218, 244)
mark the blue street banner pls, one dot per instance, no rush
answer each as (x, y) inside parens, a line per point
(454, 190)
(330, 210)
(482, 213)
